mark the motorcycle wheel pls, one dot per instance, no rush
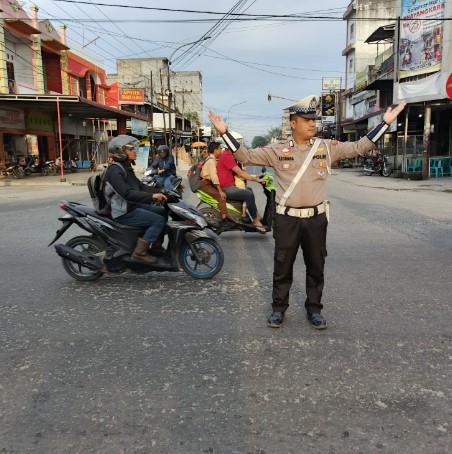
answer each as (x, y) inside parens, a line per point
(211, 254)
(83, 244)
(368, 173)
(52, 170)
(18, 172)
(387, 171)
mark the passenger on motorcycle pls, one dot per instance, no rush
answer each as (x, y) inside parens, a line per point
(226, 168)
(131, 200)
(210, 183)
(166, 169)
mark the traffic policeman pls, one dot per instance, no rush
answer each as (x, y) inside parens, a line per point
(301, 213)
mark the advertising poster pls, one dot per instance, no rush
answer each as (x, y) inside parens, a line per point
(141, 163)
(421, 37)
(328, 108)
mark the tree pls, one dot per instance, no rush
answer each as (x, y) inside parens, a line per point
(273, 133)
(259, 141)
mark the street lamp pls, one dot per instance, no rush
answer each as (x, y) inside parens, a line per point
(233, 105)
(170, 94)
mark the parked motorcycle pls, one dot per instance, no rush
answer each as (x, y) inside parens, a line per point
(14, 169)
(213, 216)
(149, 180)
(378, 165)
(109, 246)
(67, 165)
(33, 165)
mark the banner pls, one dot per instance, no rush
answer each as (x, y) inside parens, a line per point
(328, 108)
(421, 37)
(139, 127)
(131, 96)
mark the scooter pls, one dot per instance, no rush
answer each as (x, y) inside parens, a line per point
(16, 170)
(149, 180)
(33, 165)
(213, 217)
(109, 246)
(380, 165)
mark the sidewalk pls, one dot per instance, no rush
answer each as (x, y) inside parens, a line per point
(356, 177)
(78, 178)
(351, 176)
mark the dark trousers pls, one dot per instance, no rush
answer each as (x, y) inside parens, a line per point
(208, 187)
(150, 216)
(290, 233)
(242, 195)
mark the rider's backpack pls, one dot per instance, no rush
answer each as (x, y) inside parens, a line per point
(194, 176)
(96, 186)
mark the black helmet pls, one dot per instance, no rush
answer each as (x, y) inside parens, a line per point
(163, 148)
(117, 145)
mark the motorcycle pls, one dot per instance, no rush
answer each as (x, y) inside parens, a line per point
(14, 169)
(379, 165)
(109, 246)
(213, 217)
(149, 180)
(67, 165)
(33, 165)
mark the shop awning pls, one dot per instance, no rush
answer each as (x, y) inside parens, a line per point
(72, 106)
(382, 34)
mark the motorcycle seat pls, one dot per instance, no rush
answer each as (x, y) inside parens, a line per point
(92, 212)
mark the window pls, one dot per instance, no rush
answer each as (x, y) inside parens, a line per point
(350, 66)
(352, 32)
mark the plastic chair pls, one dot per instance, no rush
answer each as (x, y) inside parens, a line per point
(447, 167)
(414, 166)
(436, 167)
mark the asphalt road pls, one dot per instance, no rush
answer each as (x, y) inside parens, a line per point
(163, 363)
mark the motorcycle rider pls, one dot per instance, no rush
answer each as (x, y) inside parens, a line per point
(227, 167)
(131, 200)
(166, 169)
(211, 184)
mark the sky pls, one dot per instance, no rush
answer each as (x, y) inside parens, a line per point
(242, 62)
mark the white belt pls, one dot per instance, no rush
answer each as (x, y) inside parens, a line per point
(301, 212)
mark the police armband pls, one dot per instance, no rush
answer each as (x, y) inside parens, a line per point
(230, 141)
(377, 132)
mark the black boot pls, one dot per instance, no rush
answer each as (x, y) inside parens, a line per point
(141, 252)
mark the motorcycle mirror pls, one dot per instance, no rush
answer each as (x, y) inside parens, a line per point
(264, 169)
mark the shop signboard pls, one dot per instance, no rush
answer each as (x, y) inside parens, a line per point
(38, 121)
(328, 108)
(421, 37)
(130, 96)
(12, 119)
(139, 127)
(449, 86)
(331, 83)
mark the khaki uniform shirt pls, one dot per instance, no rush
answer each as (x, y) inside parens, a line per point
(287, 157)
(209, 170)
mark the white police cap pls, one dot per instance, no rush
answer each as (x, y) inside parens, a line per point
(307, 107)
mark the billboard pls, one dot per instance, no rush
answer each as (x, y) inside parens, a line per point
(421, 37)
(331, 83)
(328, 108)
(131, 96)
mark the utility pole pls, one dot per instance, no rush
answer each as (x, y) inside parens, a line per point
(163, 105)
(152, 113)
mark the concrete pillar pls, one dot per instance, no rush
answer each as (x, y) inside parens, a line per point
(426, 153)
(4, 90)
(38, 70)
(63, 62)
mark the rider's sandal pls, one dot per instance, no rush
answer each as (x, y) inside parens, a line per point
(260, 228)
